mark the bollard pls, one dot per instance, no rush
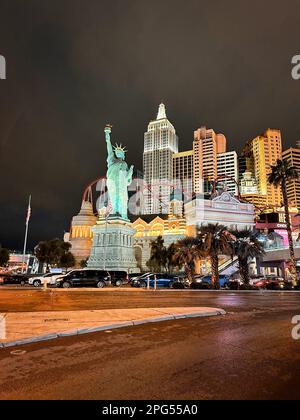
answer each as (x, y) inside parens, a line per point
(148, 283)
(45, 285)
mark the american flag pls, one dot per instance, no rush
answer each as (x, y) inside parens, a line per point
(28, 211)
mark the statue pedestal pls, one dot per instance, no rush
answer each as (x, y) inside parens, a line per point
(112, 248)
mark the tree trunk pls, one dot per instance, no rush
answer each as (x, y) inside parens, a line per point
(215, 271)
(289, 230)
(244, 271)
(189, 273)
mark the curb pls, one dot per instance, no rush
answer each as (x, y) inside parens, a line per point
(107, 327)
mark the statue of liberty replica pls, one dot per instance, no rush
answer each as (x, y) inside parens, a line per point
(112, 248)
(118, 177)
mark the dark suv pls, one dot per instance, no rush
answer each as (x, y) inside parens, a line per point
(118, 278)
(15, 279)
(84, 278)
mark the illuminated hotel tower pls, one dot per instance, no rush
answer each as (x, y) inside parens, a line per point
(183, 170)
(207, 145)
(262, 152)
(160, 143)
(293, 187)
(228, 171)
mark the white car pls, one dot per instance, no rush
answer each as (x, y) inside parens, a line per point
(49, 278)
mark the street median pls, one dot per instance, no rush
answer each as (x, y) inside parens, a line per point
(31, 327)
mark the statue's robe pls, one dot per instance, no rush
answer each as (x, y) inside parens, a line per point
(117, 183)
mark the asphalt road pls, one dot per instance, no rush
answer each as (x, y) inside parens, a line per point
(248, 354)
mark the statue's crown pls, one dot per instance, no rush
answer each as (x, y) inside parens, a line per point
(119, 148)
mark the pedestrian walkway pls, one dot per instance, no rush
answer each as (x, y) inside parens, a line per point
(27, 327)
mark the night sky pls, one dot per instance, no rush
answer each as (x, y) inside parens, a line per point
(73, 65)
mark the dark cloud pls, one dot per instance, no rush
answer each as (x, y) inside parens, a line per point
(74, 65)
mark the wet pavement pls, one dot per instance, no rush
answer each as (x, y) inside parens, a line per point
(18, 299)
(248, 354)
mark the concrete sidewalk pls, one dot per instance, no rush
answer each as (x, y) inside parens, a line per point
(29, 327)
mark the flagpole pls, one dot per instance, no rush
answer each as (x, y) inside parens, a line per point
(26, 234)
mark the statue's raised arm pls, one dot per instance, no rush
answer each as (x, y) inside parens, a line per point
(110, 152)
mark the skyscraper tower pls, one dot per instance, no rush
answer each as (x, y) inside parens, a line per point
(160, 143)
(263, 151)
(228, 170)
(207, 145)
(293, 186)
(183, 172)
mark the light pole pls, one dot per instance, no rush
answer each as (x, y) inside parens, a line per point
(26, 233)
(105, 244)
(107, 214)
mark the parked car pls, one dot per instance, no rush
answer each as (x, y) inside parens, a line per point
(135, 276)
(206, 282)
(48, 278)
(84, 278)
(162, 281)
(273, 283)
(11, 279)
(139, 276)
(118, 278)
(199, 284)
(255, 279)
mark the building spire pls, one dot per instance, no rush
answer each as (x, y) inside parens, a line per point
(161, 112)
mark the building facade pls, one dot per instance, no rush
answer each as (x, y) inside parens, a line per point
(223, 209)
(293, 187)
(160, 144)
(227, 170)
(242, 161)
(183, 171)
(81, 235)
(249, 190)
(171, 228)
(206, 147)
(262, 152)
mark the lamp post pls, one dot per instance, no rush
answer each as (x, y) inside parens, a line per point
(105, 244)
(107, 214)
(26, 232)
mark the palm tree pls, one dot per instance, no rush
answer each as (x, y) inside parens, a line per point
(280, 175)
(158, 257)
(4, 256)
(171, 250)
(245, 245)
(215, 242)
(188, 251)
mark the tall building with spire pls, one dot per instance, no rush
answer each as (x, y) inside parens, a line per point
(160, 143)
